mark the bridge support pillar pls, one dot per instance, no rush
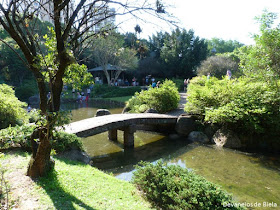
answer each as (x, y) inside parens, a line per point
(113, 135)
(128, 136)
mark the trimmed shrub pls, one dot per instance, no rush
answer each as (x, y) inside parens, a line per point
(246, 105)
(163, 99)
(12, 110)
(173, 187)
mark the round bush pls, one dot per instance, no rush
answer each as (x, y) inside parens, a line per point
(163, 99)
(12, 110)
(173, 187)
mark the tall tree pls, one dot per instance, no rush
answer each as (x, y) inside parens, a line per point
(222, 46)
(110, 50)
(72, 20)
(263, 58)
(182, 52)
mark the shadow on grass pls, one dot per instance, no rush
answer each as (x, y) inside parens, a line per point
(60, 198)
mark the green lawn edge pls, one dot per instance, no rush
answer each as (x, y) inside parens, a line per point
(74, 185)
(120, 99)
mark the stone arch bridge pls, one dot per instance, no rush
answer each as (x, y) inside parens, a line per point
(128, 123)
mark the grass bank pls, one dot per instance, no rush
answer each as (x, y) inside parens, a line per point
(72, 185)
(120, 99)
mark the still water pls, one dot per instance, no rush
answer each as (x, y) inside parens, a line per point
(249, 177)
(85, 110)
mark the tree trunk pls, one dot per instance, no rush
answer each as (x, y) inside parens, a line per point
(117, 74)
(107, 76)
(40, 163)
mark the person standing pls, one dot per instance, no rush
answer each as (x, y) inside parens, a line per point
(79, 97)
(158, 84)
(154, 84)
(88, 92)
(186, 82)
(229, 74)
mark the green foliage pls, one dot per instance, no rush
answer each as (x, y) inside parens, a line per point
(182, 52)
(223, 46)
(64, 141)
(13, 71)
(105, 91)
(262, 59)
(11, 109)
(217, 66)
(163, 99)
(34, 115)
(244, 104)
(110, 50)
(28, 89)
(16, 136)
(179, 83)
(173, 187)
(20, 136)
(77, 76)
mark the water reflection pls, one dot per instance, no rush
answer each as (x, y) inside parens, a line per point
(112, 157)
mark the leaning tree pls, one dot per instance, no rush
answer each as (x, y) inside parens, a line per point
(73, 22)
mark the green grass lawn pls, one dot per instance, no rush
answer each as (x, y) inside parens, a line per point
(73, 185)
(120, 99)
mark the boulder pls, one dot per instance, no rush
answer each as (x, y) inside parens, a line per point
(198, 136)
(185, 124)
(102, 112)
(226, 138)
(151, 111)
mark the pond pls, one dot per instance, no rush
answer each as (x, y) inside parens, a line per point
(249, 177)
(83, 110)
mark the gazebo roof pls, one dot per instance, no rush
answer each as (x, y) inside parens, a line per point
(109, 68)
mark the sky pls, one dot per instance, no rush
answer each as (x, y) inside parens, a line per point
(225, 19)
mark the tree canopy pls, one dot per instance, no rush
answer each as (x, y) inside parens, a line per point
(110, 50)
(262, 59)
(182, 52)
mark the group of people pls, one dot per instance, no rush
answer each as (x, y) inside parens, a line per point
(81, 96)
(228, 74)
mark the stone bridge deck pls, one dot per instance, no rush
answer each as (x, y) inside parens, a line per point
(114, 122)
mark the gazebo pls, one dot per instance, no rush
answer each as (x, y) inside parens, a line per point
(98, 72)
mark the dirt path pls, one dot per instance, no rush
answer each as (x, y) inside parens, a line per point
(21, 194)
